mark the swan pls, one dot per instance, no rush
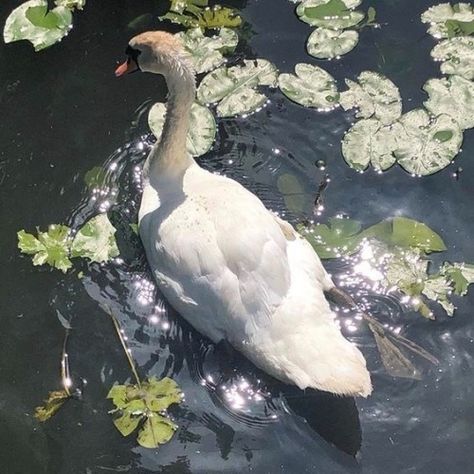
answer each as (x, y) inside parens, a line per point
(231, 267)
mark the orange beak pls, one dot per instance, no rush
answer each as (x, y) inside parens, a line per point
(123, 68)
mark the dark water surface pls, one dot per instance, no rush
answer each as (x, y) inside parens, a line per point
(63, 112)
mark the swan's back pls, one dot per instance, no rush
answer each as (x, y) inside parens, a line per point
(237, 272)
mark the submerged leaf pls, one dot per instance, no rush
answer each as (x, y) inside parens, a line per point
(96, 177)
(457, 55)
(234, 87)
(206, 52)
(293, 193)
(31, 21)
(311, 87)
(374, 96)
(324, 43)
(420, 150)
(202, 130)
(51, 405)
(50, 247)
(96, 240)
(453, 96)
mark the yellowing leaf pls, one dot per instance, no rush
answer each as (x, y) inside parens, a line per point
(53, 403)
(155, 431)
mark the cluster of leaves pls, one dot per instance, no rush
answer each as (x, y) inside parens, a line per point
(95, 241)
(144, 405)
(399, 250)
(448, 21)
(33, 21)
(198, 14)
(337, 22)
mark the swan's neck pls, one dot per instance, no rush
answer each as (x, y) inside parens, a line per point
(169, 156)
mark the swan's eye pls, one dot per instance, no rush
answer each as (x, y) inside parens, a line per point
(133, 53)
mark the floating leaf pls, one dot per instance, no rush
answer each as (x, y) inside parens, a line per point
(71, 4)
(96, 240)
(419, 151)
(31, 21)
(202, 130)
(340, 237)
(453, 96)
(460, 275)
(446, 21)
(311, 87)
(234, 87)
(147, 402)
(293, 193)
(368, 141)
(155, 431)
(374, 96)
(457, 55)
(51, 247)
(206, 52)
(332, 14)
(51, 405)
(217, 17)
(324, 43)
(437, 288)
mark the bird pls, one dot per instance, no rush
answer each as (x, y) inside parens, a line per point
(229, 266)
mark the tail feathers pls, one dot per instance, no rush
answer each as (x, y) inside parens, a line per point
(321, 359)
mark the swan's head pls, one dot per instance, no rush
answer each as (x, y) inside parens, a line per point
(154, 51)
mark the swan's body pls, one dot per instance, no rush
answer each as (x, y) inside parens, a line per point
(228, 265)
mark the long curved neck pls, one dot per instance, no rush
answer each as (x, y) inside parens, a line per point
(169, 156)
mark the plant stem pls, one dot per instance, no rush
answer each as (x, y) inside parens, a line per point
(65, 374)
(119, 331)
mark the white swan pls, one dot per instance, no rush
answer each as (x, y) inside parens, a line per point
(229, 266)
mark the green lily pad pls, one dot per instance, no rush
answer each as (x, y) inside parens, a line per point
(374, 96)
(340, 237)
(155, 431)
(369, 142)
(51, 247)
(96, 240)
(331, 14)
(324, 43)
(202, 130)
(457, 56)
(206, 52)
(448, 20)
(234, 87)
(311, 87)
(453, 96)
(31, 21)
(419, 151)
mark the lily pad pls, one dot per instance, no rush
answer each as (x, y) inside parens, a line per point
(457, 56)
(33, 22)
(369, 142)
(206, 52)
(202, 130)
(234, 87)
(448, 20)
(155, 431)
(332, 14)
(51, 247)
(374, 96)
(324, 43)
(427, 144)
(311, 87)
(96, 240)
(453, 96)
(340, 237)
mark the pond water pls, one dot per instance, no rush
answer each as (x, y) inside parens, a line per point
(64, 112)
